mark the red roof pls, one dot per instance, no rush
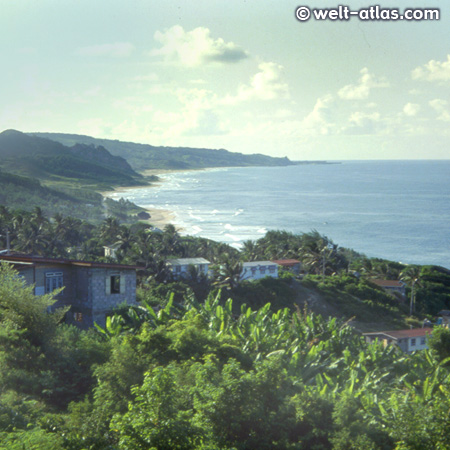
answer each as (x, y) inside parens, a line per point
(286, 262)
(44, 260)
(388, 283)
(400, 334)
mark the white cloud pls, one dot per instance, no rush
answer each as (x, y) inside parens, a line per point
(441, 107)
(196, 47)
(196, 117)
(267, 84)
(411, 109)
(117, 50)
(433, 71)
(362, 123)
(361, 90)
(318, 121)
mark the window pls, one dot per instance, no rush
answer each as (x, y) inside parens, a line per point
(53, 280)
(177, 269)
(115, 284)
(78, 317)
(413, 342)
(272, 269)
(422, 341)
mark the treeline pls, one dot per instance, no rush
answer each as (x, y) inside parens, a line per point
(342, 275)
(200, 377)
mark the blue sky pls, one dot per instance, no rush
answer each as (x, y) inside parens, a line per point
(241, 75)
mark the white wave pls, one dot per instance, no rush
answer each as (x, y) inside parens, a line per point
(232, 237)
(238, 212)
(196, 229)
(262, 231)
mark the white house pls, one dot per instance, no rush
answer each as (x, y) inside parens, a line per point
(180, 267)
(256, 270)
(407, 340)
(391, 286)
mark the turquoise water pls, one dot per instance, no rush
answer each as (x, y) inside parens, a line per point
(399, 210)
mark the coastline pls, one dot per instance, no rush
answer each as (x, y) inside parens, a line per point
(159, 218)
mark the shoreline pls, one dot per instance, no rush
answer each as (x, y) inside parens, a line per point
(159, 217)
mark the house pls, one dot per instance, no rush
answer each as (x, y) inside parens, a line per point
(407, 340)
(110, 250)
(256, 270)
(92, 290)
(444, 318)
(390, 286)
(180, 267)
(293, 265)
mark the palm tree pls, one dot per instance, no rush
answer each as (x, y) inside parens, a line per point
(250, 251)
(411, 276)
(109, 229)
(228, 274)
(33, 239)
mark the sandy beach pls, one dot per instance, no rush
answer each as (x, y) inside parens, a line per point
(159, 218)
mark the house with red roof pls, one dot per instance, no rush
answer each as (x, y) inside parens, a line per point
(390, 286)
(92, 290)
(293, 265)
(407, 340)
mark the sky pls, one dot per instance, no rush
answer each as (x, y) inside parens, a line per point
(244, 75)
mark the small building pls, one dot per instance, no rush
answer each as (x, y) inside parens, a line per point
(180, 267)
(293, 265)
(257, 270)
(407, 340)
(110, 250)
(390, 286)
(92, 290)
(444, 318)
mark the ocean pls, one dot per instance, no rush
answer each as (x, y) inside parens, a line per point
(398, 210)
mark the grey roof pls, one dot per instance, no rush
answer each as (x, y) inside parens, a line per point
(187, 261)
(259, 263)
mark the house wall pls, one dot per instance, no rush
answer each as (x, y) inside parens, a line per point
(65, 297)
(418, 343)
(252, 272)
(100, 301)
(182, 270)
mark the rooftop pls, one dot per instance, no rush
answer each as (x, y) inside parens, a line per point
(286, 262)
(30, 259)
(400, 334)
(187, 261)
(388, 283)
(258, 263)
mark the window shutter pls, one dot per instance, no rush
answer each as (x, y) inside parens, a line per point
(108, 285)
(122, 284)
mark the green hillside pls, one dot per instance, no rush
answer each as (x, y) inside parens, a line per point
(51, 161)
(143, 156)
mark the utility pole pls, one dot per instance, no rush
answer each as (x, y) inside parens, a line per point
(8, 244)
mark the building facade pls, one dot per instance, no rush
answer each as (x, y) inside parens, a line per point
(91, 290)
(179, 268)
(257, 270)
(407, 340)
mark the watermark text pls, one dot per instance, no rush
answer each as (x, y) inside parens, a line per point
(371, 13)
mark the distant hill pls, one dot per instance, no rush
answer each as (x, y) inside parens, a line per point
(143, 156)
(23, 193)
(48, 160)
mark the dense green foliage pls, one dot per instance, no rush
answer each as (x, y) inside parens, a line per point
(206, 378)
(217, 363)
(45, 159)
(36, 171)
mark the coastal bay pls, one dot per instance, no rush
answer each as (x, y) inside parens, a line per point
(396, 210)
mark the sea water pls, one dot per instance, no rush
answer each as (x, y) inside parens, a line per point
(398, 210)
